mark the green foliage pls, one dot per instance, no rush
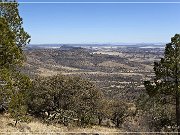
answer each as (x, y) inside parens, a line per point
(72, 100)
(17, 107)
(66, 117)
(71, 94)
(118, 112)
(158, 115)
(41, 96)
(13, 84)
(162, 99)
(9, 11)
(10, 53)
(14, 94)
(102, 111)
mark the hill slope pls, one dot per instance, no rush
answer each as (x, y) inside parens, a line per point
(37, 127)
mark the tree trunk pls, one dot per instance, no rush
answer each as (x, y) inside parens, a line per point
(117, 122)
(16, 123)
(100, 121)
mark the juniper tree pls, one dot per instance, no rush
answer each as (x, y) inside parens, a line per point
(9, 11)
(165, 88)
(13, 84)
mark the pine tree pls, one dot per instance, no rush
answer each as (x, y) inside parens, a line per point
(166, 86)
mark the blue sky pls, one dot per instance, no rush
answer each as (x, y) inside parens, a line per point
(100, 23)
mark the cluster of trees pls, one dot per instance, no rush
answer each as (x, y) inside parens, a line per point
(67, 100)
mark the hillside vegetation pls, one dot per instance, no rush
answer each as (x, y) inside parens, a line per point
(37, 127)
(115, 75)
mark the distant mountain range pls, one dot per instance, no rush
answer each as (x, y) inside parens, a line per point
(123, 45)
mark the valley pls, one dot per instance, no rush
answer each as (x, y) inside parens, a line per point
(118, 71)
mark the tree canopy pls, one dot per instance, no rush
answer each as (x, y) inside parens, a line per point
(164, 91)
(13, 84)
(9, 11)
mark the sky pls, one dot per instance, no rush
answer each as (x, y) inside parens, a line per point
(57, 23)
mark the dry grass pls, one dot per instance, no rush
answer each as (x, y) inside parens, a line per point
(37, 127)
(47, 72)
(109, 53)
(114, 64)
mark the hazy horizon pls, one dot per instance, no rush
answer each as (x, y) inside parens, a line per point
(111, 43)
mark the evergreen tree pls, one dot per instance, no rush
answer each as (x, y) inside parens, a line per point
(9, 11)
(165, 89)
(13, 84)
(10, 54)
